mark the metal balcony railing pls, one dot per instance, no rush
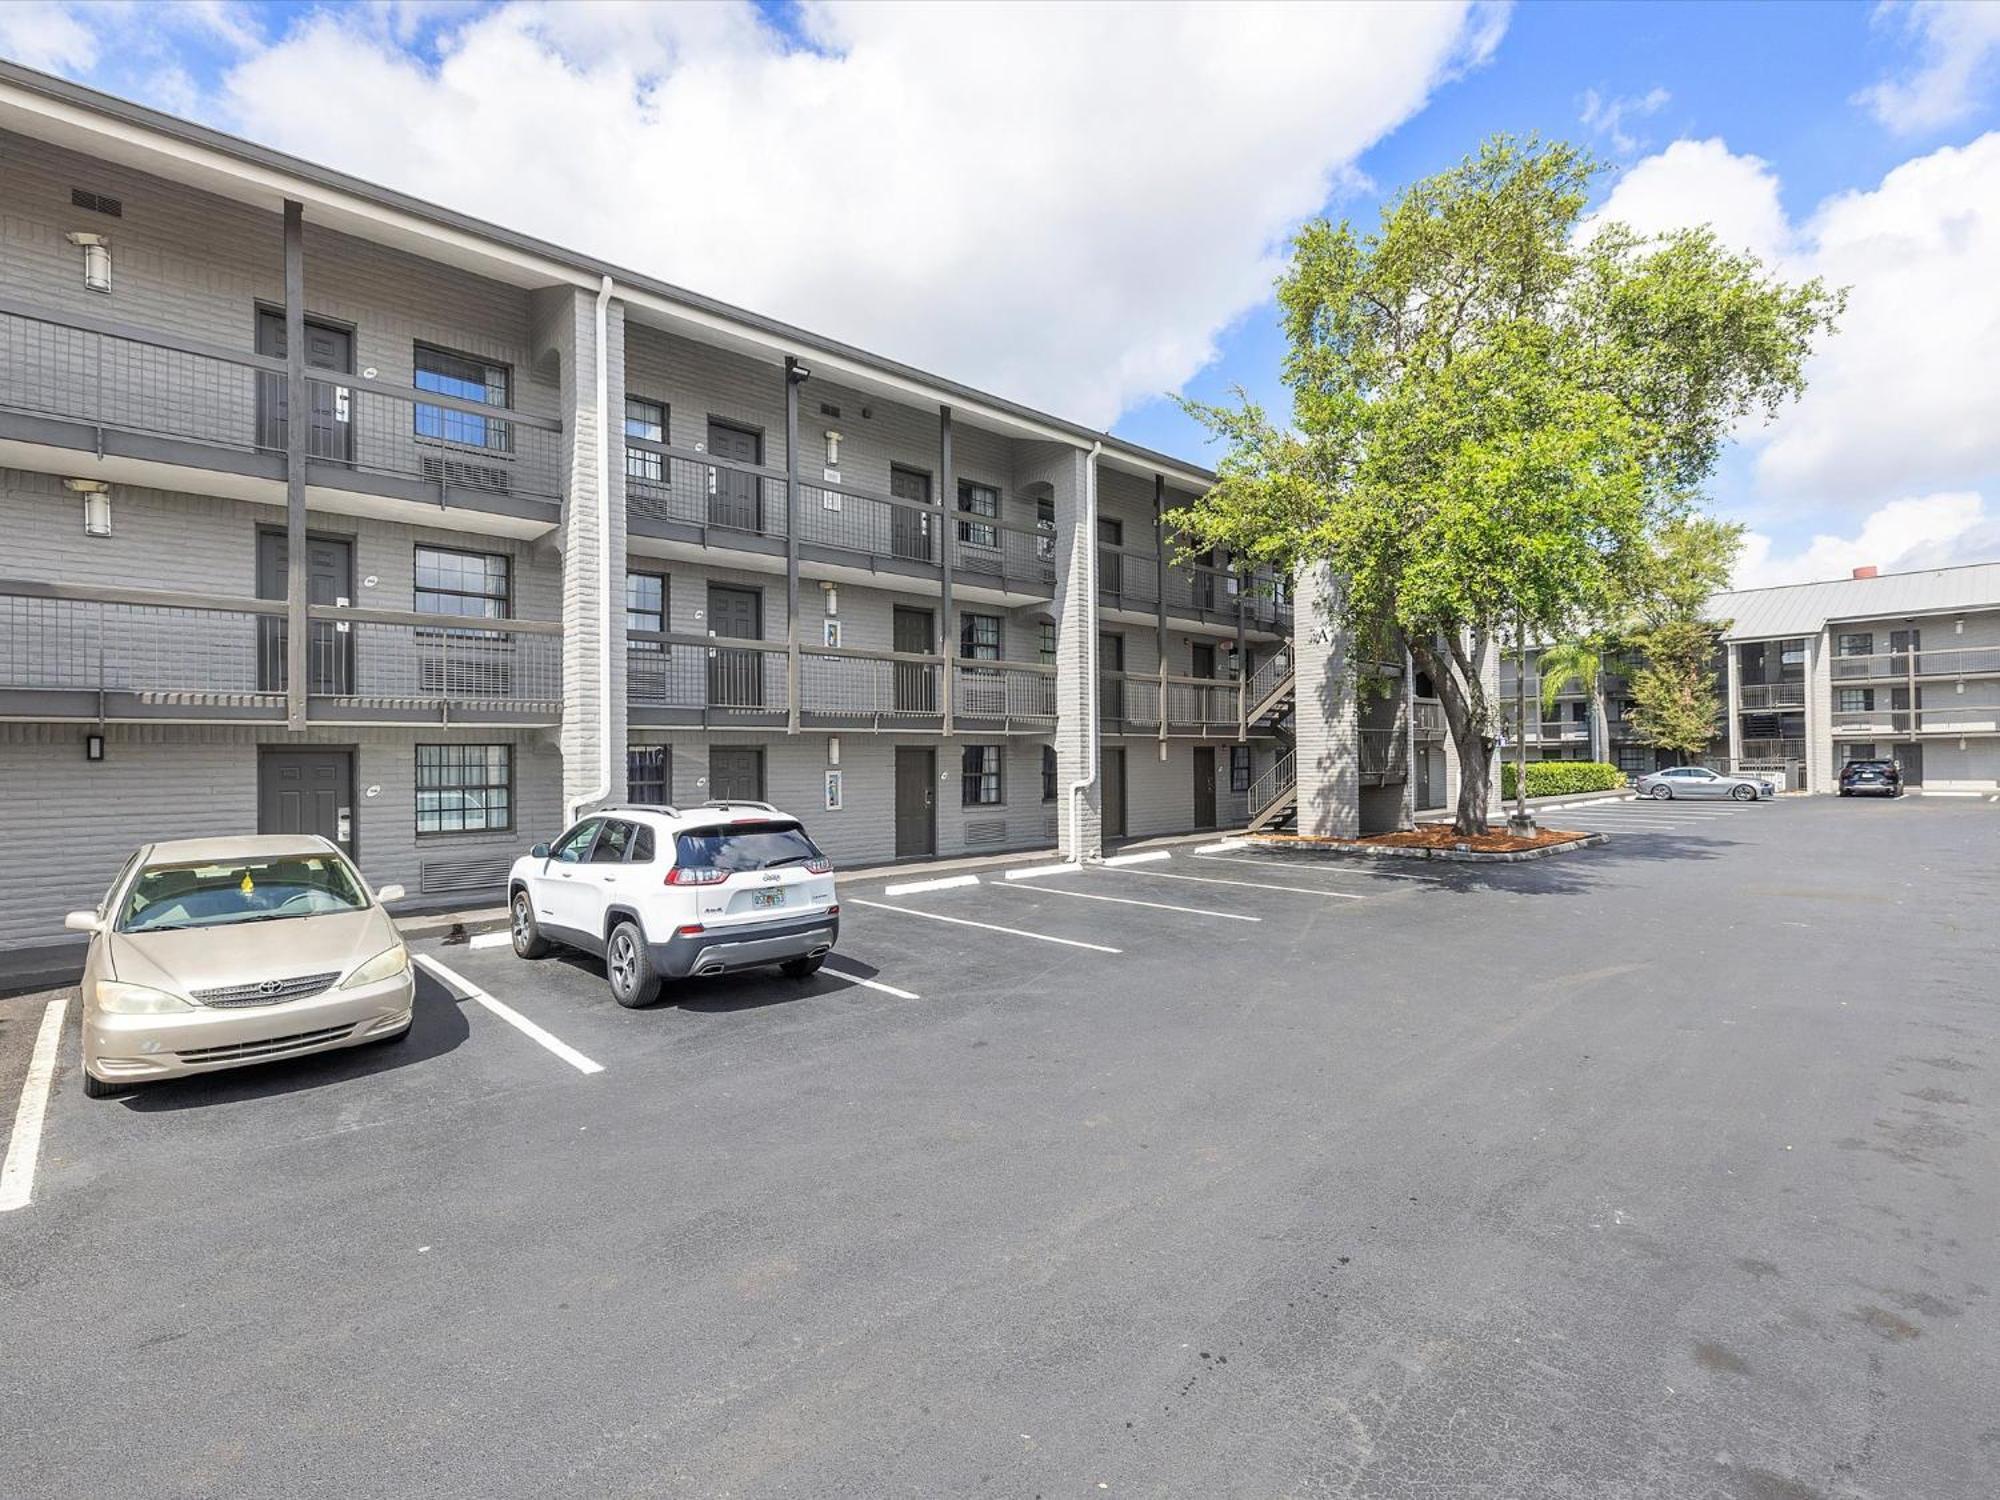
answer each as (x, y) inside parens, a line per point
(1765, 695)
(1384, 753)
(138, 648)
(1017, 555)
(76, 368)
(1427, 719)
(1004, 693)
(1278, 778)
(664, 483)
(1773, 749)
(1203, 707)
(1956, 661)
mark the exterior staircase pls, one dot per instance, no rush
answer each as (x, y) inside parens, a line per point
(1274, 796)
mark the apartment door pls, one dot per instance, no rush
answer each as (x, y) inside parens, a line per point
(1909, 760)
(735, 499)
(1204, 786)
(910, 530)
(916, 802)
(307, 791)
(736, 773)
(1202, 704)
(1902, 643)
(735, 676)
(1111, 773)
(1111, 675)
(330, 430)
(329, 644)
(1110, 561)
(916, 684)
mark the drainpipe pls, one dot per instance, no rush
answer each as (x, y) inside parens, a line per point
(603, 789)
(1077, 788)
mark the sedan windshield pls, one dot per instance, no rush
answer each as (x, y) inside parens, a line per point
(225, 892)
(745, 846)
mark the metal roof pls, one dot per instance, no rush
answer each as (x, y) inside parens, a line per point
(1800, 609)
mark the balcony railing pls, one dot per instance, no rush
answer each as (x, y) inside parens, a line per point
(1384, 754)
(1944, 718)
(1203, 707)
(1427, 719)
(1766, 695)
(109, 376)
(1956, 661)
(1276, 780)
(1773, 749)
(150, 654)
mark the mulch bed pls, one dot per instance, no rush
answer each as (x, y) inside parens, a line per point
(1439, 836)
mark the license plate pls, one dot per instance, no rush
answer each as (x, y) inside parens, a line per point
(767, 898)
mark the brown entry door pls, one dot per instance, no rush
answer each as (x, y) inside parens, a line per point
(1111, 676)
(329, 645)
(735, 677)
(1204, 786)
(916, 684)
(736, 773)
(307, 791)
(330, 433)
(1111, 771)
(916, 802)
(735, 499)
(909, 528)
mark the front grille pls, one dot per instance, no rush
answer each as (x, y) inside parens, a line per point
(270, 1046)
(266, 991)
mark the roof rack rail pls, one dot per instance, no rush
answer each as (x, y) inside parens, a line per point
(738, 802)
(641, 807)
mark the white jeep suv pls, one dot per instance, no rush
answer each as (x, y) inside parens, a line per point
(665, 893)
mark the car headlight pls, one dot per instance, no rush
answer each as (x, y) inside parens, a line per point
(117, 999)
(388, 964)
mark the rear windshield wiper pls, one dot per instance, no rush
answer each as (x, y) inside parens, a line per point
(790, 859)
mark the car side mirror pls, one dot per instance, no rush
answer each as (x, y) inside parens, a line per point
(540, 851)
(83, 921)
(390, 893)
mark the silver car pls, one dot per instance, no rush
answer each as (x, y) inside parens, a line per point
(1699, 781)
(212, 953)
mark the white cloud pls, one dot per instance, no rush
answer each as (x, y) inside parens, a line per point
(1608, 116)
(1958, 41)
(1901, 398)
(1064, 204)
(1926, 531)
(45, 35)
(1702, 182)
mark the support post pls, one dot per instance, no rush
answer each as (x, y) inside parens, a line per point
(947, 502)
(298, 423)
(1160, 565)
(795, 376)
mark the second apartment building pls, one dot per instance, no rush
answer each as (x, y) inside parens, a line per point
(325, 508)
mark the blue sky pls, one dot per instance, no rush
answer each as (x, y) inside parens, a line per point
(1083, 206)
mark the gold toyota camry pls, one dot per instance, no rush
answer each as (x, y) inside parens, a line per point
(212, 953)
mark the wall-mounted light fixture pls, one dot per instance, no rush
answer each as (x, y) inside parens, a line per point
(96, 504)
(832, 593)
(93, 747)
(833, 447)
(96, 260)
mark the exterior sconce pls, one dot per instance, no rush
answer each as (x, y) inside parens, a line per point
(93, 747)
(96, 260)
(96, 504)
(832, 448)
(832, 598)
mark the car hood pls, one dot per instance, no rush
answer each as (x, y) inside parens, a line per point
(210, 957)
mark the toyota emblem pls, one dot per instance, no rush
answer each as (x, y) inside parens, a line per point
(269, 987)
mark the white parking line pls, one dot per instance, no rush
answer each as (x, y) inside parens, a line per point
(1040, 937)
(1254, 885)
(24, 1146)
(1276, 862)
(1218, 848)
(1033, 870)
(1193, 911)
(511, 1016)
(947, 883)
(489, 940)
(874, 984)
(1137, 859)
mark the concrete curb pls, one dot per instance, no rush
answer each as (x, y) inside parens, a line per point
(1452, 856)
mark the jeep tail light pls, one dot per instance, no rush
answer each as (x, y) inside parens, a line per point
(696, 875)
(821, 866)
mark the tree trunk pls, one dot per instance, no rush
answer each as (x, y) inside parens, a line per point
(1475, 787)
(1462, 696)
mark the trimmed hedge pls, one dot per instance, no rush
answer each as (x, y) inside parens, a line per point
(1563, 778)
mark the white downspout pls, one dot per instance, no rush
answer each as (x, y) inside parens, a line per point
(603, 789)
(1091, 740)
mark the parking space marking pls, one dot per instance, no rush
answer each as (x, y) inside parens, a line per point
(24, 1146)
(1254, 885)
(874, 984)
(1138, 859)
(1218, 848)
(1033, 870)
(1040, 937)
(511, 1016)
(1366, 872)
(489, 940)
(946, 883)
(1193, 911)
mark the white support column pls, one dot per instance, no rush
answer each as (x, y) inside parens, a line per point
(1732, 702)
(1079, 825)
(1327, 757)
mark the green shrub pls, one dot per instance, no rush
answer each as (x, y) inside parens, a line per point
(1563, 778)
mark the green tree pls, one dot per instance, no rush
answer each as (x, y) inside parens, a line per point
(1675, 702)
(1493, 413)
(1581, 658)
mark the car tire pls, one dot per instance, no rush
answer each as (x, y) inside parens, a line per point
(635, 983)
(1661, 794)
(528, 939)
(97, 1088)
(1845, 792)
(1744, 793)
(801, 968)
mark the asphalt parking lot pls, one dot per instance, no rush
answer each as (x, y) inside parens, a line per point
(1664, 1169)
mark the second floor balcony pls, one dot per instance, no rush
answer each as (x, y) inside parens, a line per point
(1135, 581)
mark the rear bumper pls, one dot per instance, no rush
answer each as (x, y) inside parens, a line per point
(140, 1048)
(724, 950)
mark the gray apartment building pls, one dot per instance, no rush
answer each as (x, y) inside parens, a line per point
(327, 508)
